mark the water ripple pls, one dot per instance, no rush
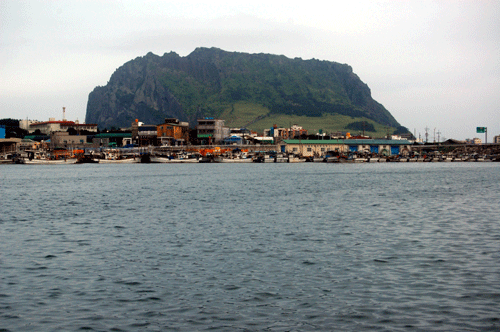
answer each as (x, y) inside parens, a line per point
(256, 247)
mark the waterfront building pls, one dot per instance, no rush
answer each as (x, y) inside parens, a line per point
(173, 132)
(112, 139)
(63, 139)
(144, 135)
(211, 130)
(496, 139)
(13, 145)
(310, 148)
(9, 145)
(147, 135)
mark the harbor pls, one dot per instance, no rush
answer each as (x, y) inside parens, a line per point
(288, 153)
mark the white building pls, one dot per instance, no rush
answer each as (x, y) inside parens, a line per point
(52, 125)
(212, 129)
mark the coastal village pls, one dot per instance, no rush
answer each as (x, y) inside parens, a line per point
(174, 141)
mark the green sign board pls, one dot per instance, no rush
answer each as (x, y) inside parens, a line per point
(481, 130)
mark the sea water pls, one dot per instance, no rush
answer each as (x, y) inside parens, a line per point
(250, 247)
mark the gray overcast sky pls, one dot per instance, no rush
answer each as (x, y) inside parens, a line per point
(432, 64)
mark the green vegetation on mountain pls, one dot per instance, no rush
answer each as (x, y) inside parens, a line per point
(246, 90)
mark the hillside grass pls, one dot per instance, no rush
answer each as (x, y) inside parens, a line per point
(257, 117)
(242, 114)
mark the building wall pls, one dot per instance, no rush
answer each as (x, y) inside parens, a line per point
(212, 127)
(53, 126)
(64, 140)
(310, 150)
(319, 149)
(25, 124)
(174, 131)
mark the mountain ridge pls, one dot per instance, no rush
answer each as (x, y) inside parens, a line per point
(239, 87)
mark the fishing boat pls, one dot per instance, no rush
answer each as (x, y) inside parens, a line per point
(119, 161)
(50, 162)
(295, 159)
(86, 159)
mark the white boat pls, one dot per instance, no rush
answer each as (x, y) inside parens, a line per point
(235, 160)
(268, 159)
(120, 161)
(293, 159)
(165, 160)
(280, 159)
(318, 159)
(332, 159)
(49, 162)
(446, 158)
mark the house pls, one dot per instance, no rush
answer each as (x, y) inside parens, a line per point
(144, 135)
(62, 139)
(285, 133)
(173, 132)
(9, 145)
(211, 130)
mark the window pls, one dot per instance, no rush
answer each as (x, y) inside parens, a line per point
(294, 149)
(309, 149)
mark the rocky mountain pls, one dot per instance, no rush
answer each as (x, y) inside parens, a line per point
(252, 90)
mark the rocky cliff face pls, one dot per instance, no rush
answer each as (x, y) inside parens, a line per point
(208, 81)
(133, 92)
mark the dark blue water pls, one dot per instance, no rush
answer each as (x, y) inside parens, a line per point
(250, 247)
